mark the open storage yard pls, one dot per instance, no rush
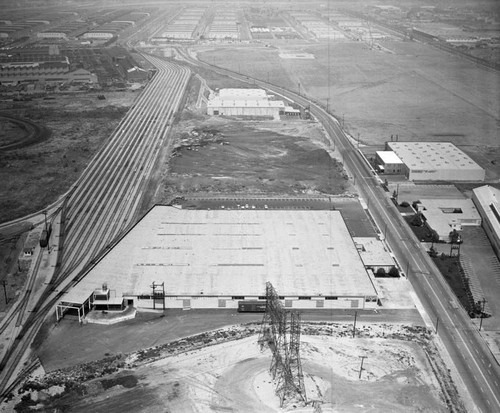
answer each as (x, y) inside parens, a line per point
(225, 370)
(407, 88)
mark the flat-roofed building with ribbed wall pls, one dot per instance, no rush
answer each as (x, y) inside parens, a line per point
(215, 258)
(436, 161)
(244, 102)
(487, 201)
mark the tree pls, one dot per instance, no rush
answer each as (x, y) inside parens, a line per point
(417, 220)
(394, 272)
(380, 272)
(454, 237)
(434, 236)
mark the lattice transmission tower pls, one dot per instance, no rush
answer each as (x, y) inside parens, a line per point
(286, 367)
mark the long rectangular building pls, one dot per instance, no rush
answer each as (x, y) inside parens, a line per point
(215, 258)
(487, 201)
(244, 102)
(436, 161)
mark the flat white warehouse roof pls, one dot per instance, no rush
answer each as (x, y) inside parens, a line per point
(432, 156)
(227, 103)
(389, 157)
(233, 253)
(241, 94)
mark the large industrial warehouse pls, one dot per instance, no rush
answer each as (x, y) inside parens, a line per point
(436, 161)
(214, 258)
(244, 102)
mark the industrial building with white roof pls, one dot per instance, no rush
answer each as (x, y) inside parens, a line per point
(244, 102)
(214, 258)
(436, 161)
(487, 201)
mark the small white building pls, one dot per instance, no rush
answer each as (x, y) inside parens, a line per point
(374, 254)
(389, 163)
(445, 215)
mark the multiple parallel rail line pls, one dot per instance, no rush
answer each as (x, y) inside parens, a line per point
(103, 202)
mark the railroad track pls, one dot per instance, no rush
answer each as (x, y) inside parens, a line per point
(18, 311)
(104, 200)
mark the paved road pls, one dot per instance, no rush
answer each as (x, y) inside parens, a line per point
(152, 328)
(473, 360)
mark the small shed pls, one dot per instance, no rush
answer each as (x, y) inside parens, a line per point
(374, 254)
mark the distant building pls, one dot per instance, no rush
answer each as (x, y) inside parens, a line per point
(436, 161)
(23, 72)
(487, 201)
(244, 102)
(98, 35)
(136, 74)
(48, 72)
(82, 76)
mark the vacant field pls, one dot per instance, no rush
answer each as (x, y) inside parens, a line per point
(411, 90)
(221, 155)
(34, 176)
(225, 370)
(10, 132)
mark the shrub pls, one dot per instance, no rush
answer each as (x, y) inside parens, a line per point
(393, 272)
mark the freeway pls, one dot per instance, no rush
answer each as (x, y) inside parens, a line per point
(474, 362)
(104, 201)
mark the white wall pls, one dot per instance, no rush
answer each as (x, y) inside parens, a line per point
(213, 302)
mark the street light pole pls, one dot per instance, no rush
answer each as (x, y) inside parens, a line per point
(482, 314)
(361, 367)
(5, 292)
(354, 325)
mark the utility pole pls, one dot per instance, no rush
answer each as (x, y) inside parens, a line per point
(358, 140)
(327, 104)
(154, 287)
(482, 314)
(5, 292)
(354, 325)
(437, 324)
(343, 121)
(361, 367)
(154, 295)
(299, 88)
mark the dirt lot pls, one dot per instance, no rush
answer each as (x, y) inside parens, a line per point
(224, 370)
(36, 175)
(10, 132)
(410, 89)
(221, 155)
